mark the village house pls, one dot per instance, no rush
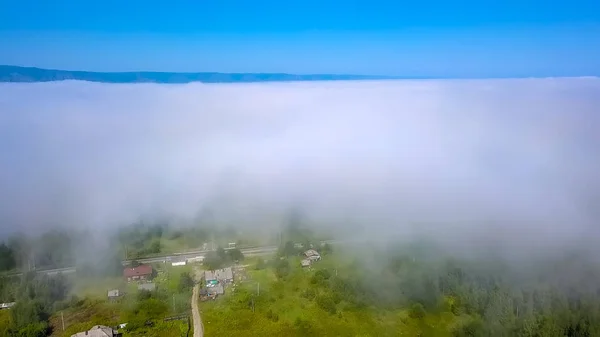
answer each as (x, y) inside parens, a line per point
(206, 294)
(195, 259)
(7, 305)
(312, 255)
(203, 294)
(114, 294)
(178, 262)
(140, 273)
(224, 275)
(215, 290)
(98, 331)
(215, 281)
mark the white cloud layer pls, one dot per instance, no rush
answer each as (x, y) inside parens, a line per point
(509, 159)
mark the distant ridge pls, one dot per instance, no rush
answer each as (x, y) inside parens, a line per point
(31, 74)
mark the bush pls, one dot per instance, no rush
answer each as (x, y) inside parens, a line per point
(326, 249)
(304, 327)
(39, 329)
(260, 264)
(235, 254)
(282, 268)
(309, 294)
(185, 282)
(417, 311)
(27, 312)
(152, 308)
(75, 301)
(155, 247)
(272, 316)
(326, 303)
(144, 295)
(320, 277)
(474, 328)
(287, 249)
(60, 305)
(213, 261)
(145, 311)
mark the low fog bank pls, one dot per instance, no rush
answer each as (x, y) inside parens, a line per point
(511, 164)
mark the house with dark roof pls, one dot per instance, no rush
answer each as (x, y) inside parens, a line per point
(217, 289)
(139, 273)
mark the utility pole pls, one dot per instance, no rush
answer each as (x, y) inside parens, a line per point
(173, 303)
(258, 289)
(62, 317)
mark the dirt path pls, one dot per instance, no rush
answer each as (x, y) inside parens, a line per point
(198, 326)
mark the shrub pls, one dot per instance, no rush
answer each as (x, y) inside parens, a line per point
(185, 282)
(260, 264)
(417, 311)
(272, 316)
(326, 303)
(309, 294)
(39, 329)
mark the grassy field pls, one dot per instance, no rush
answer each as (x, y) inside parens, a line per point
(90, 306)
(90, 313)
(5, 320)
(297, 305)
(96, 288)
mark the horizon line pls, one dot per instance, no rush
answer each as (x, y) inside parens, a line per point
(342, 76)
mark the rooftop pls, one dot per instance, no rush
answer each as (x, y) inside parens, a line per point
(113, 293)
(219, 274)
(97, 331)
(216, 290)
(311, 252)
(141, 270)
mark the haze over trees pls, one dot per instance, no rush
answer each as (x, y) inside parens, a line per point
(466, 208)
(414, 289)
(366, 158)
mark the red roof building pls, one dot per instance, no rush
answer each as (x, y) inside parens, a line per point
(141, 272)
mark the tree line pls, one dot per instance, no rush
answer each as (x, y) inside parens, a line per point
(36, 297)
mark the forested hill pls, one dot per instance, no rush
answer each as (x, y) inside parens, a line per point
(29, 74)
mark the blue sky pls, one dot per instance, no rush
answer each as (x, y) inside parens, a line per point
(431, 38)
